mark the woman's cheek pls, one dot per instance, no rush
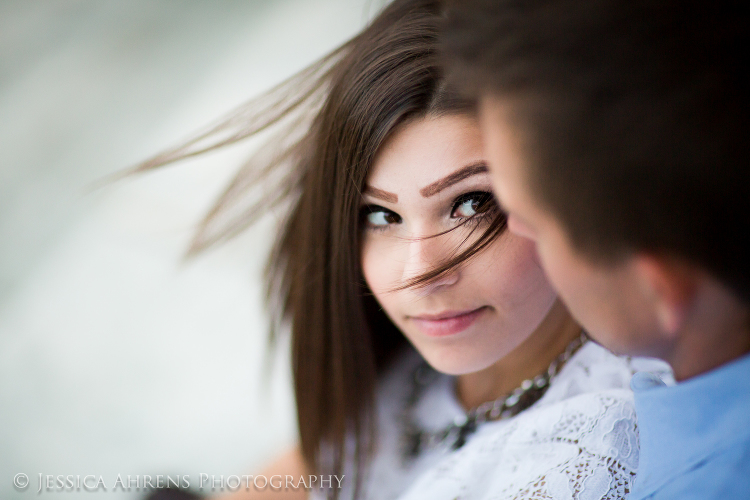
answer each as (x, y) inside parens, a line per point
(517, 277)
(377, 265)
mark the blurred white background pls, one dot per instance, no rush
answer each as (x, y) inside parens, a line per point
(115, 356)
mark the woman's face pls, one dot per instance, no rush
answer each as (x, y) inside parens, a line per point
(427, 178)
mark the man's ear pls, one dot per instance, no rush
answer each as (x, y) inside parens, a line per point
(670, 284)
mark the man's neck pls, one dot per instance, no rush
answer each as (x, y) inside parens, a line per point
(716, 332)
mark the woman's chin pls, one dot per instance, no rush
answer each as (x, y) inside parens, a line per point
(454, 362)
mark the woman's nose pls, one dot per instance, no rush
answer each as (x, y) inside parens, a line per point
(426, 253)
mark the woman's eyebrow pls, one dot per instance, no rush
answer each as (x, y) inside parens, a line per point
(457, 176)
(380, 194)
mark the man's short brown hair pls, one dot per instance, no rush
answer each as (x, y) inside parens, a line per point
(636, 116)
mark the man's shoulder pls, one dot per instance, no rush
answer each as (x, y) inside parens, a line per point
(721, 475)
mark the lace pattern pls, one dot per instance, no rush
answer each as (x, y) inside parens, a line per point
(579, 442)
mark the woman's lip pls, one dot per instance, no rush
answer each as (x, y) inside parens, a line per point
(445, 315)
(448, 322)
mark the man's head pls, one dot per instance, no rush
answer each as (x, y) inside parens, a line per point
(617, 135)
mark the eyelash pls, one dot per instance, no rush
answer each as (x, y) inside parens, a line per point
(371, 209)
(484, 196)
(486, 201)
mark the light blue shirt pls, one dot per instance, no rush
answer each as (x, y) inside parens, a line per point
(695, 436)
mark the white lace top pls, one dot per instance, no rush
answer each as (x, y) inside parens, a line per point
(579, 441)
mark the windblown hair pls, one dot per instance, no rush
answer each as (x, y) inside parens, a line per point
(635, 115)
(333, 118)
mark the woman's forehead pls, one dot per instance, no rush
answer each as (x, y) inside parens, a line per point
(425, 151)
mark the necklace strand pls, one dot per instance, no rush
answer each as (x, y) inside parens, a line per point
(416, 440)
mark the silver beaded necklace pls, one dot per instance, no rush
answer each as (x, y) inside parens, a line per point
(416, 440)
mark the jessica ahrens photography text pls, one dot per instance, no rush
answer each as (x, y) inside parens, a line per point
(52, 483)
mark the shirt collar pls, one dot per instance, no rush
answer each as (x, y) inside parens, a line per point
(684, 424)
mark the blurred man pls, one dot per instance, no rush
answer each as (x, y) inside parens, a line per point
(617, 133)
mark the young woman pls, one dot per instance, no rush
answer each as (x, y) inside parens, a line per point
(431, 357)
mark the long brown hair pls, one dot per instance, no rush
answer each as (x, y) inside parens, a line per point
(345, 105)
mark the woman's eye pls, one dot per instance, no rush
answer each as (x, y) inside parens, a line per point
(471, 204)
(379, 217)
